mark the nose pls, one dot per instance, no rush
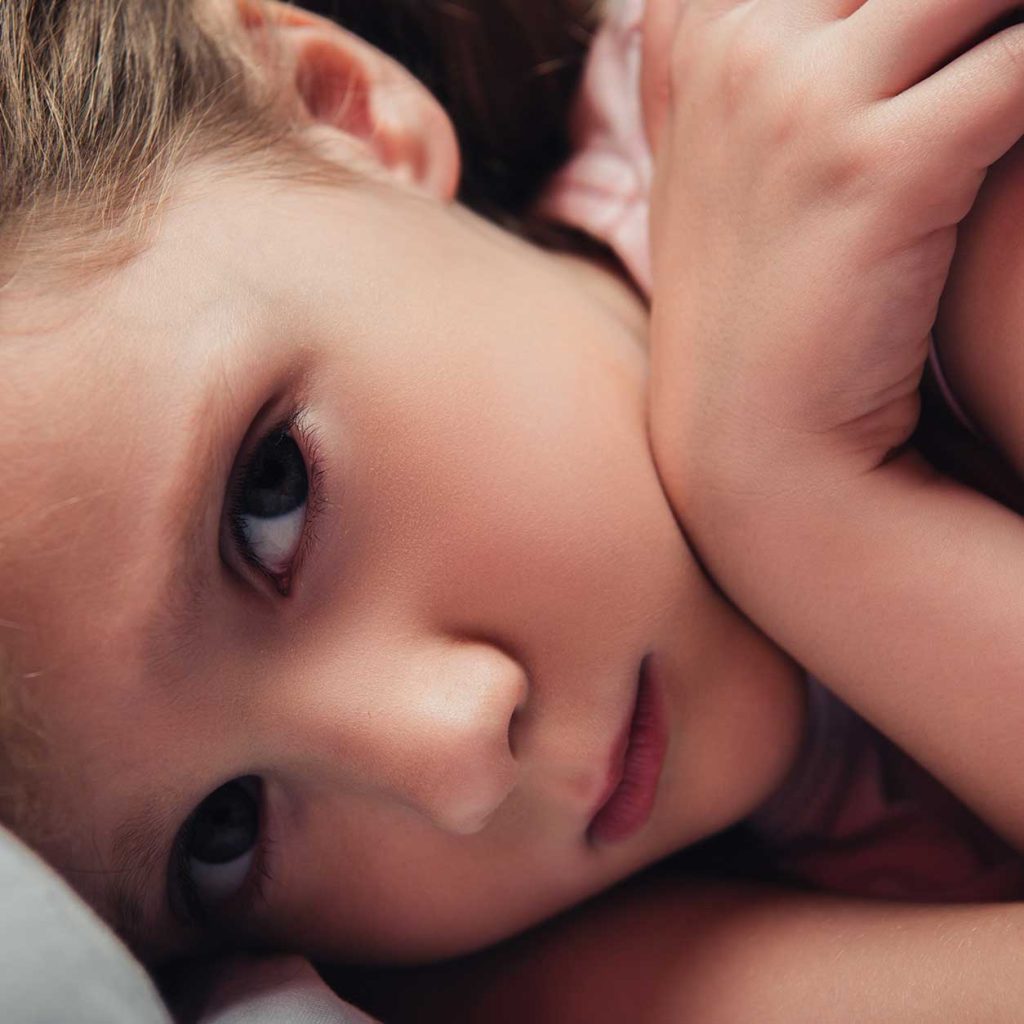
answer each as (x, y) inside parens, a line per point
(431, 728)
(457, 714)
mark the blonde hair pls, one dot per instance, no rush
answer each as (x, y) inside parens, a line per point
(101, 101)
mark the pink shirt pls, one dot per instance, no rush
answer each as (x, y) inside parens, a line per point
(856, 814)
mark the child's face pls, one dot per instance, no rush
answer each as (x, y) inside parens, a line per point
(484, 559)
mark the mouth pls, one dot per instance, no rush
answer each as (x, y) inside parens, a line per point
(635, 766)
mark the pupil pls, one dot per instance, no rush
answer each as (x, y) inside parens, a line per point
(276, 482)
(225, 826)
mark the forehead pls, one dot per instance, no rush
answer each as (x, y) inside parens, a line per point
(102, 380)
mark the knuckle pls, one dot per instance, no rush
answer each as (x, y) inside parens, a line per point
(860, 160)
(751, 54)
(1011, 46)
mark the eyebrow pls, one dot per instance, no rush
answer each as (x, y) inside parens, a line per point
(137, 850)
(172, 627)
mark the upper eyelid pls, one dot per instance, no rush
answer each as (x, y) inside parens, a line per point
(311, 445)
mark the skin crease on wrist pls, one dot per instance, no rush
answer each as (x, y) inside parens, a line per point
(432, 701)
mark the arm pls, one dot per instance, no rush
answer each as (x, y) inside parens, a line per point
(669, 951)
(823, 206)
(904, 590)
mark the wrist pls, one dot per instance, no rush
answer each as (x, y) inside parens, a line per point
(723, 448)
(767, 498)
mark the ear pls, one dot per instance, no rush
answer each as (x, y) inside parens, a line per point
(358, 94)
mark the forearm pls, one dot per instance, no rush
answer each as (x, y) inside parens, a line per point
(903, 591)
(674, 952)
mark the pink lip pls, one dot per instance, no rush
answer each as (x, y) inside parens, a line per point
(636, 763)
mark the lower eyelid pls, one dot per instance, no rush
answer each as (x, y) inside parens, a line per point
(219, 883)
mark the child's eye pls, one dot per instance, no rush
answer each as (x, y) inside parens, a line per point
(268, 504)
(217, 849)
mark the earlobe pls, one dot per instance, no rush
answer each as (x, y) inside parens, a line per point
(344, 84)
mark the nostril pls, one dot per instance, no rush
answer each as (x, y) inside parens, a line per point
(516, 719)
(514, 726)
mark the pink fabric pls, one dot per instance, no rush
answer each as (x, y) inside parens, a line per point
(857, 815)
(605, 188)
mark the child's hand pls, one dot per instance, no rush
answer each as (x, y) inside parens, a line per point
(813, 160)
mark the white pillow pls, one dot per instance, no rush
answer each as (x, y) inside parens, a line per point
(275, 990)
(58, 961)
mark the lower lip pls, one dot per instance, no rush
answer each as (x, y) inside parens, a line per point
(630, 804)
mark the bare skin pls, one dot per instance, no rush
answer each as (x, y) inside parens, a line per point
(978, 333)
(780, 435)
(465, 630)
(431, 669)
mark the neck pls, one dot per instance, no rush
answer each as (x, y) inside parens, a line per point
(604, 277)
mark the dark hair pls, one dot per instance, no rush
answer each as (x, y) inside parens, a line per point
(505, 70)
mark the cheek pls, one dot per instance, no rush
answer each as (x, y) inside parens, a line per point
(515, 468)
(367, 883)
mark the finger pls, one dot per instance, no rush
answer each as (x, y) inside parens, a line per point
(661, 18)
(844, 8)
(816, 11)
(971, 112)
(905, 41)
(661, 25)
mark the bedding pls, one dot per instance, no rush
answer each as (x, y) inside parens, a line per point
(59, 963)
(58, 960)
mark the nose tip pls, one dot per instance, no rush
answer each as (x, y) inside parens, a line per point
(468, 722)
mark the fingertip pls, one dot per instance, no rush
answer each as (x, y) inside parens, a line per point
(661, 18)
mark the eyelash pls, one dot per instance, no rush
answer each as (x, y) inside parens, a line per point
(251, 896)
(309, 444)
